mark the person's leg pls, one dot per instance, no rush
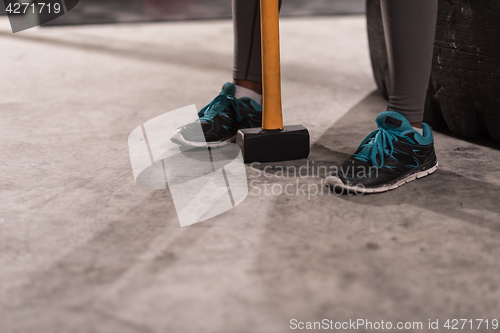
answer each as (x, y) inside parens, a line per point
(398, 151)
(239, 103)
(410, 28)
(247, 71)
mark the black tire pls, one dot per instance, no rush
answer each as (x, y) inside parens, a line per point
(465, 80)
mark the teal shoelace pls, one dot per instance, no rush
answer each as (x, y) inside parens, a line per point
(219, 106)
(376, 144)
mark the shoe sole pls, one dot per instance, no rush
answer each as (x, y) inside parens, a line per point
(334, 182)
(177, 138)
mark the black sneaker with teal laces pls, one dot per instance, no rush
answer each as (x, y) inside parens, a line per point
(220, 120)
(389, 157)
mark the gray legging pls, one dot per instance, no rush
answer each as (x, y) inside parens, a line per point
(409, 26)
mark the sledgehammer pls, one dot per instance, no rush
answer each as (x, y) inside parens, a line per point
(272, 142)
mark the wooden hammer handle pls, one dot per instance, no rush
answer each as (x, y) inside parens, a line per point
(272, 117)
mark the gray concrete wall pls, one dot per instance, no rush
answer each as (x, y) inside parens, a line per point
(97, 11)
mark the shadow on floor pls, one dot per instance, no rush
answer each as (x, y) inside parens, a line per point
(393, 255)
(444, 192)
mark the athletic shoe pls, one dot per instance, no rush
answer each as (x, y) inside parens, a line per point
(220, 120)
(389, 157)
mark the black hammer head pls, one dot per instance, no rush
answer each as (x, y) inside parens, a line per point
(259, 145)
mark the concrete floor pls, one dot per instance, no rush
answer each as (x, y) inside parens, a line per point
(83, 249)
